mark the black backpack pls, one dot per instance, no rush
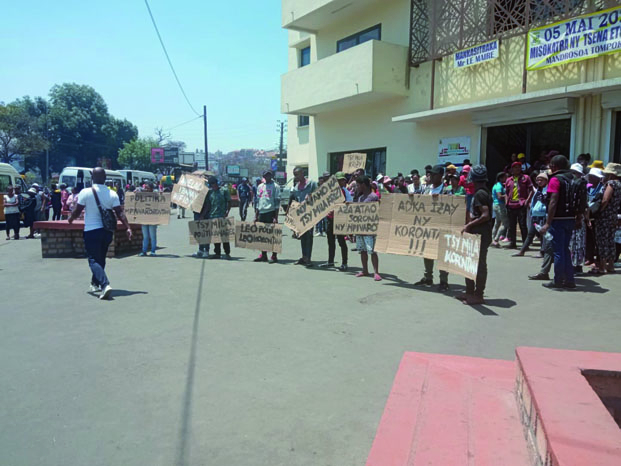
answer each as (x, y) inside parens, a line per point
(572, 196)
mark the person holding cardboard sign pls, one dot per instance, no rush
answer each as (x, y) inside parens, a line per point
(435, 187)
(366, 243)
(301, 189)
(218, 205)
(342, 179)
(481, 224)
(268, 205)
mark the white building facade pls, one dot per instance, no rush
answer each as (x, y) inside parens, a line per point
(381, 77)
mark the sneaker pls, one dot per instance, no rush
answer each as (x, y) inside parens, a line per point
(198, 254)
(539, 276)
(443, 287)
(343, 268)
(424, 282)
(273, 259)
(153, 254)
(215, 256)
(106, 292)
(261, 258)
(95, 288)
(570, 286)
(227, 257)
(142, 254)
(326, 265)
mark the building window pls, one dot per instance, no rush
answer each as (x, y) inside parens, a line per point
(305, 57)
(303, 120)
(374, 33)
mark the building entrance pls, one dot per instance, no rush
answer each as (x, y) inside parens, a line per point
(376, 161)
(532, 139)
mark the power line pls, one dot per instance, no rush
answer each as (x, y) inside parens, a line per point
(184, 123)
(168, 58)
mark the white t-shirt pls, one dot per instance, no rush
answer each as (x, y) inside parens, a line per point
(10, 200)
(107, 198)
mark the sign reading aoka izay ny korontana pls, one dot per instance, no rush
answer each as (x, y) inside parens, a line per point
(576, 39)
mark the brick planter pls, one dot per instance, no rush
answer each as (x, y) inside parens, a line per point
(60, 239)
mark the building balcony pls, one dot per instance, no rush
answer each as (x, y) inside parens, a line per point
(367, 73)
(311, 16)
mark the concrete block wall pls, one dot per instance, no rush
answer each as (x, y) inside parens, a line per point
(533, 429)
(70, 242)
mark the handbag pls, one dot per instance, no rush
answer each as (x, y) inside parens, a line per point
(108, 218)
(595, 207)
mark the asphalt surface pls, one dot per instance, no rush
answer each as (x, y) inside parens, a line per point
(207, 362)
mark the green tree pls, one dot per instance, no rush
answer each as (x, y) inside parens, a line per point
(136, 154)
(82, 130)
(22, 129)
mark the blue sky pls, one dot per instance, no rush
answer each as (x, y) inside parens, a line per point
(228, 56)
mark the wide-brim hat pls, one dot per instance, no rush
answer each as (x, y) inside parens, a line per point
(340, 176)
(613, 169)
(597, 164)
(596, 172)
(576, 167)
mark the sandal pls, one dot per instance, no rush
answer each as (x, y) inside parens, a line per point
(377, 277)
(596, 271)
(362, 274)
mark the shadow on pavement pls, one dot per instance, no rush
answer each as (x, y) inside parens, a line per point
(122, 293)
(182, 457)
(587, 285)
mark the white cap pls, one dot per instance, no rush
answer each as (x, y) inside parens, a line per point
(576, 167)
(596, 172)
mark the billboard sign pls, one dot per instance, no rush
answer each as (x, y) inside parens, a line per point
(157, 155)
(232, 169)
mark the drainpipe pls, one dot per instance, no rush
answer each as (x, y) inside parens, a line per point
(581, 116)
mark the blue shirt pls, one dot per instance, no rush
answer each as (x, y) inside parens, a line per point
(498, 190)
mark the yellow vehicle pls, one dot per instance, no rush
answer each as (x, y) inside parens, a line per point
(8, 177)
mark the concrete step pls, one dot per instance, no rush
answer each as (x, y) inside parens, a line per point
(570, 404)
(450, 410)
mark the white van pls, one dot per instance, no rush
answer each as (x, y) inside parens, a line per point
(113, 177)
(71, 176)
(137, 177)
(9, 177)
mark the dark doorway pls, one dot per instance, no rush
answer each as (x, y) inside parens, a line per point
(376, 161)
(532, 139)
(616, 155)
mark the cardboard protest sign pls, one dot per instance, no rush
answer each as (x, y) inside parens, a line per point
(305, 215)
(217, 230)
(290, 222)
(410, 224)
(147, 208)
(190, 192)
(352, 162)
(458, 253)
(359, 218)
(259, 236)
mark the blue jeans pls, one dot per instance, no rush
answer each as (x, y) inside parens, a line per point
(306, 241)
(96, 243)
(563, 268)
(204, 248)
(149, 232)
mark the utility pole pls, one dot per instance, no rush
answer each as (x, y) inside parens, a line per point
(205, 129)
(281, 129)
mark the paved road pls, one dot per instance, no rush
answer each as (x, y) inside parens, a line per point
(198, 362)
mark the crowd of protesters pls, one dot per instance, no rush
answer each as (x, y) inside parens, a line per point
(572, 209)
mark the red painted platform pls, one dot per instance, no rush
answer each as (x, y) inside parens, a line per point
(568, 424)
(451, 410)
